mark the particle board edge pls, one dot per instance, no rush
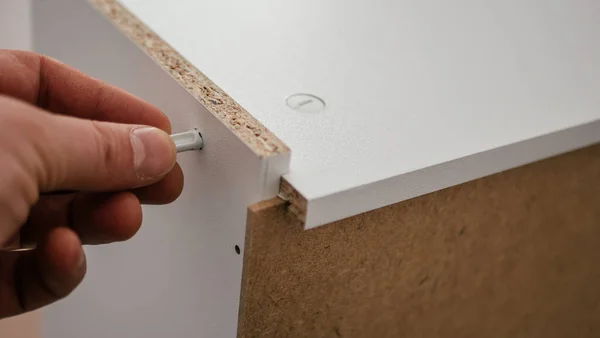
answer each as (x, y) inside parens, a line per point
(256, 136)
(297, 204)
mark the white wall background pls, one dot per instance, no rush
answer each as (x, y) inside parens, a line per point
(15, 24)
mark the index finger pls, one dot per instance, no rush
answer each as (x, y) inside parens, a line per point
(61, 89)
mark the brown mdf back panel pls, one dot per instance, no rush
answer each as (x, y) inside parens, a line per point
(516, 254)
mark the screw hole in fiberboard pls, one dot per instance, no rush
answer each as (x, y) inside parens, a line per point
(237, 249)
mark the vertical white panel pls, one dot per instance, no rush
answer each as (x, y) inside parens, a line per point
(15, 24)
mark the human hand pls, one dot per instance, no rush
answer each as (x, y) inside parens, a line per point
(77, 159)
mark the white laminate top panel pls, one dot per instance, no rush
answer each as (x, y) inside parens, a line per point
(408, 84)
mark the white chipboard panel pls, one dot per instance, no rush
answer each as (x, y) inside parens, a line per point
(180, 276)
(408, 85)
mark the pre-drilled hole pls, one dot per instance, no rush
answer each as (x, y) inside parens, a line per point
(305, 103)
(237, 249)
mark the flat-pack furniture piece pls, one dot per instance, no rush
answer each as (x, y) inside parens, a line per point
(370, 168)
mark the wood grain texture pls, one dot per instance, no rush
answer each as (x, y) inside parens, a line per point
(515, 254)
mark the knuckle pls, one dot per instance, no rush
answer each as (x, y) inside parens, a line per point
(20, 164)
(108, 147)
(18, 118)
(23, 194)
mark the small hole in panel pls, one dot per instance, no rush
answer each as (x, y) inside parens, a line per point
(237, 249)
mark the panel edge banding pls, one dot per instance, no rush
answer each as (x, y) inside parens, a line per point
(344, 202)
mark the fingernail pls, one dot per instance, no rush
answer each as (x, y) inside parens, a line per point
(81, 260)
(153, 152)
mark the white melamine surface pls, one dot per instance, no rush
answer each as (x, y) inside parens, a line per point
(15, 24)
(180, 276)
(409, 84)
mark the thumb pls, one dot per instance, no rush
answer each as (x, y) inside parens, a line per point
(78, 154)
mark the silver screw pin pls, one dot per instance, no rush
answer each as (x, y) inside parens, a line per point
(189, 140)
